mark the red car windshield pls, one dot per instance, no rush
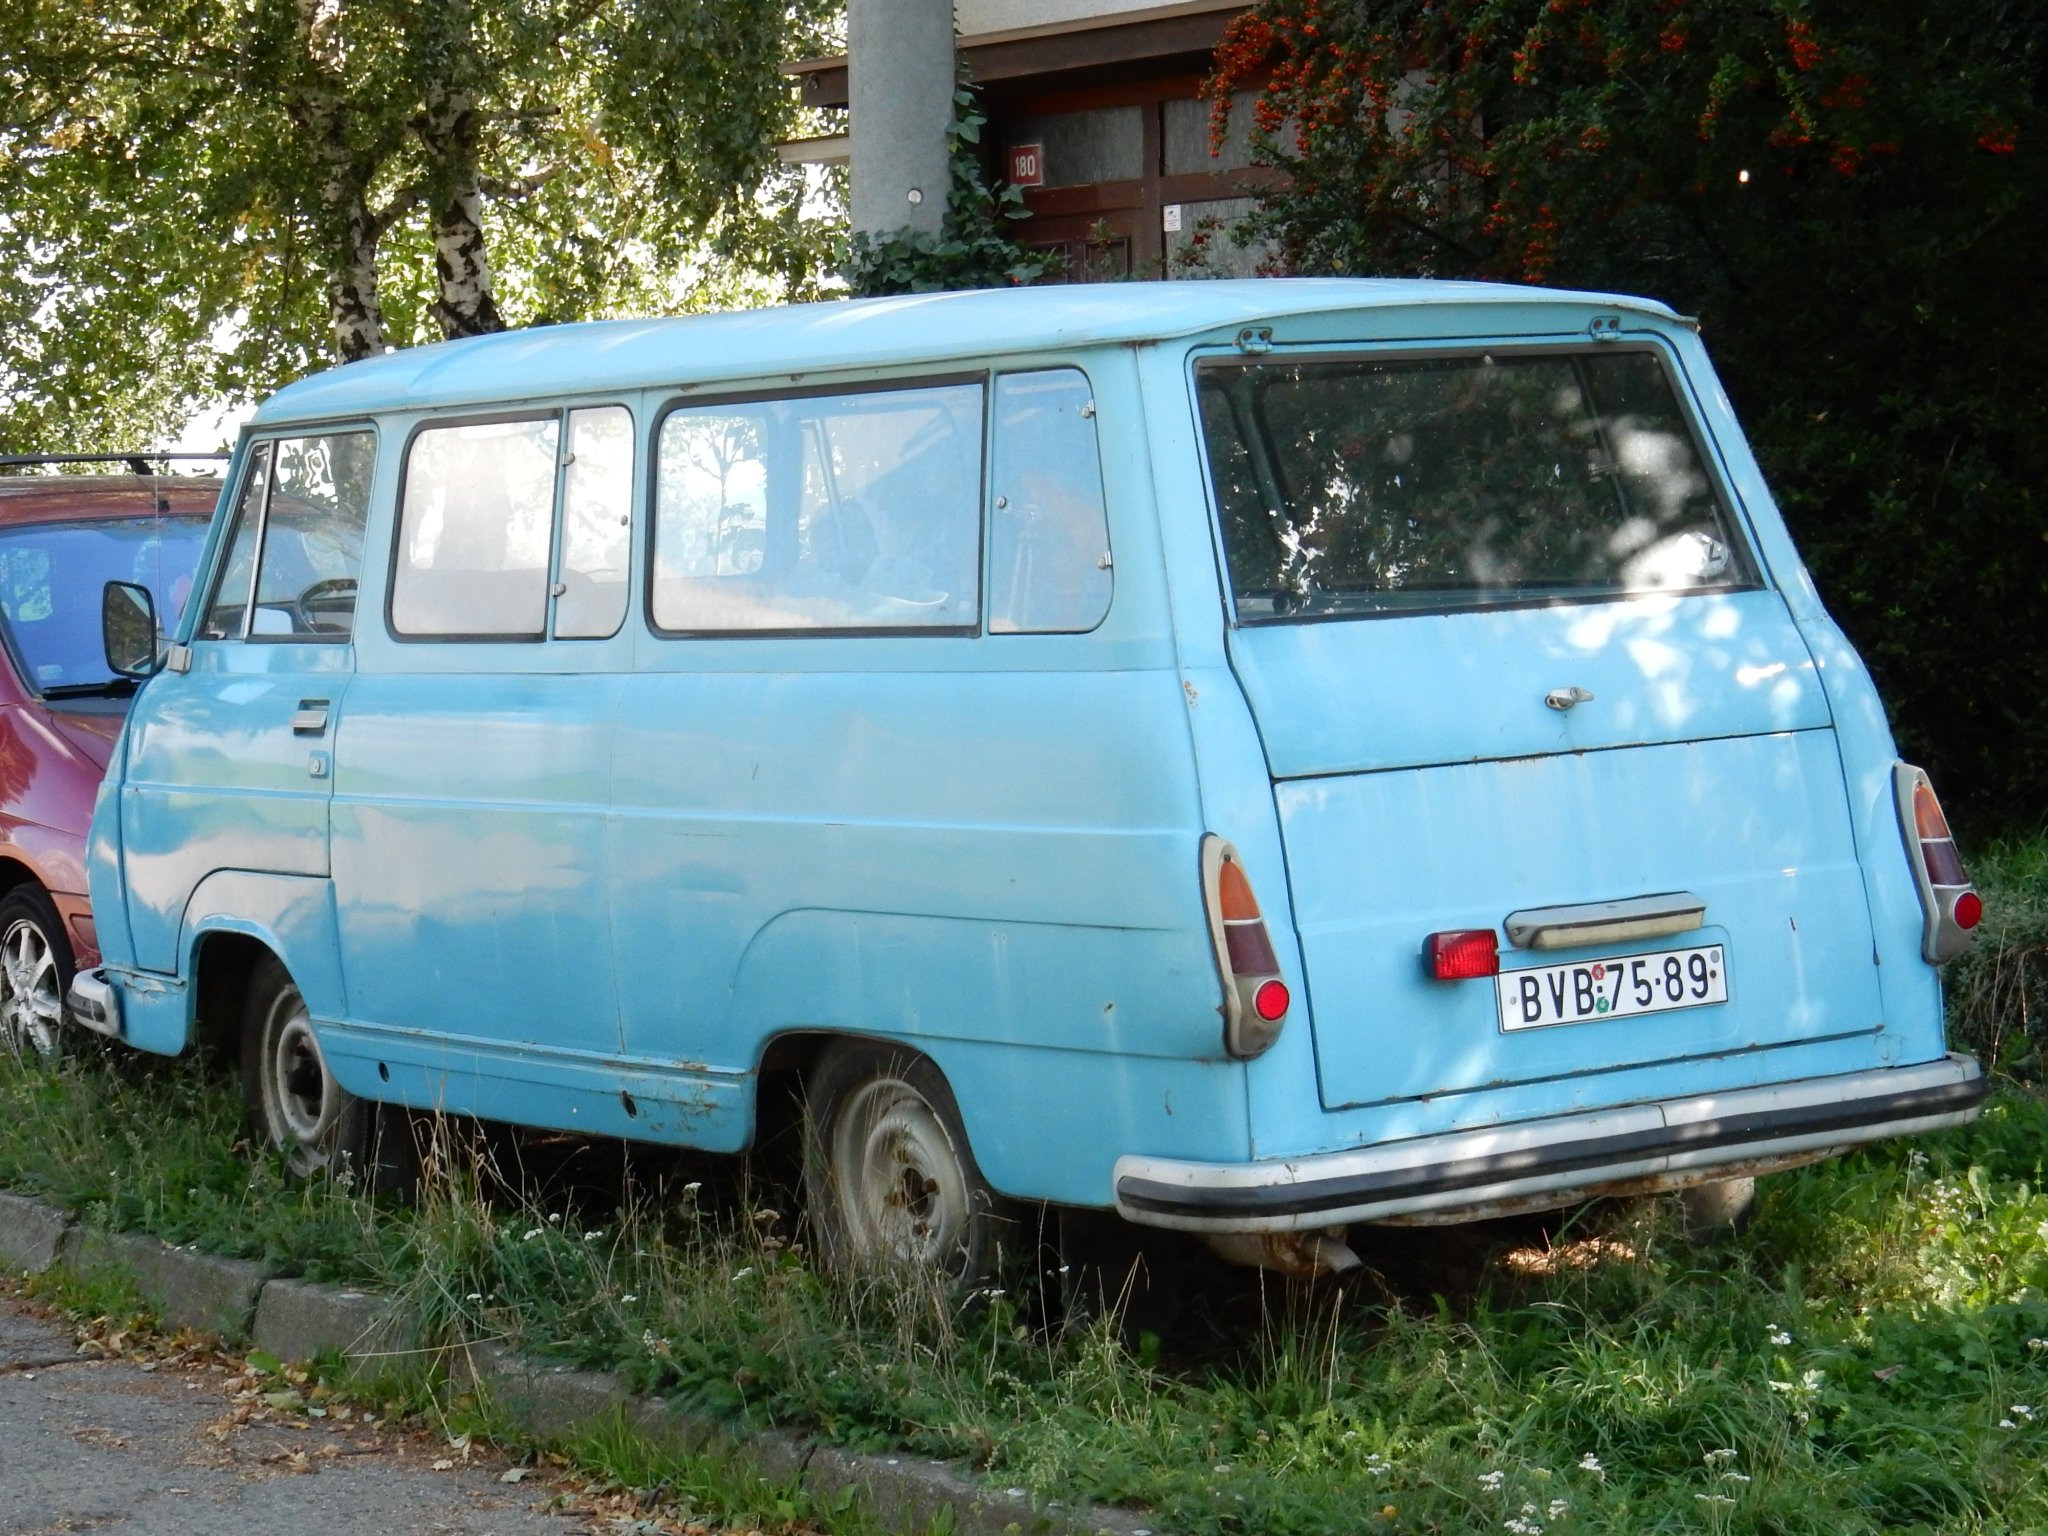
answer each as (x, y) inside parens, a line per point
(51, 579)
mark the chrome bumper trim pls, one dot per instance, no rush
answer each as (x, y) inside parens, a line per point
(1577, 1153)
(95, 1003)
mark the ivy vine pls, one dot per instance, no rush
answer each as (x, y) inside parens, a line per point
(974, 246)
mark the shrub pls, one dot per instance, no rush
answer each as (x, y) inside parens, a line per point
(1998, 989)
(1849, 195)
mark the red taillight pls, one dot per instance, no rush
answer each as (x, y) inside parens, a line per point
(1255, 999)
(1949, 908)
(1461, 954)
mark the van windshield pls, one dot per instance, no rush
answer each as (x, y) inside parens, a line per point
(1363, 485)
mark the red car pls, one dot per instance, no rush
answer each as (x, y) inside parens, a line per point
(63, 537)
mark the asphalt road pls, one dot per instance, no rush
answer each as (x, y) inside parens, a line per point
(105, 1442)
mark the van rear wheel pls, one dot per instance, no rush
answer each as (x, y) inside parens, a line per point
(889, 1180)
(295, 1105)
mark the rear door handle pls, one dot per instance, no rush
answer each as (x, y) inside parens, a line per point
(311, 720)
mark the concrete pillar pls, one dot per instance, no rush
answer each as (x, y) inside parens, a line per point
(899, 79)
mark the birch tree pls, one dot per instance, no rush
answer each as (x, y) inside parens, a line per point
(208, 196)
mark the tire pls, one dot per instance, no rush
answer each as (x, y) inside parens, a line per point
(35, 975)
(295, 1105)
(890, 1182)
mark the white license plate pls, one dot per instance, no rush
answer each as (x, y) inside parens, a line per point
(1620, 988)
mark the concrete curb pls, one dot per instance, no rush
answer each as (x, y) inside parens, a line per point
(295, 1321)
(903, 1492)
(33, 1236)
(188, 1290)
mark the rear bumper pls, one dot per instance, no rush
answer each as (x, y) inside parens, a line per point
(1675, 1141)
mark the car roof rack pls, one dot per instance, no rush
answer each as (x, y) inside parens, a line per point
(138, 463)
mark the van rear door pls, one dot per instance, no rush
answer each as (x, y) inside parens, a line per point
(1515, 668)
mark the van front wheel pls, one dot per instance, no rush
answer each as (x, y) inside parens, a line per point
(294, 1102)
(889, 1179)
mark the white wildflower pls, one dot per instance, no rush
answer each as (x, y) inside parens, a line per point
(2007, 1424)
(1718, 1500)
(1727, 1453)
(1491, 1481)
(1779, 1336)
(1734, 1477)
(741, 1274)
(1520, 1527)
(531, 1235)
(1559, 1509)
(2037, 1346)
(2022, 1411)
(476, 1295)
(555, 1216)
(594, 1237)
(1591, 1463)
(629, 1296)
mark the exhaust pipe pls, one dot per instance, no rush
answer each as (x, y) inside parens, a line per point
(1303, 1255)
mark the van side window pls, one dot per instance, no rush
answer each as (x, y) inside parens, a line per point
(859, 510)
(597, 524)
(475, 524)
(299, 526)
(1049, 568)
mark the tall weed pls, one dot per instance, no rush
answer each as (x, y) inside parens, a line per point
(1998, 990)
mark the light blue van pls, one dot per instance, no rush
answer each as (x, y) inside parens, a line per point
(1253, 756)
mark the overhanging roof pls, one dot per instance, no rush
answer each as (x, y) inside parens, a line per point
(1100, 48)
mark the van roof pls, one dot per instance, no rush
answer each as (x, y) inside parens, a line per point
(556, 360)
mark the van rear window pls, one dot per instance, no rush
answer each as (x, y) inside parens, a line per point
(1362, 485)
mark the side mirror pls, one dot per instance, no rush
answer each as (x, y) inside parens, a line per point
(128, 629)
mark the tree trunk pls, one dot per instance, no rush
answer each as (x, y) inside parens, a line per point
(348, 232)
(464, 304)
(353, 305)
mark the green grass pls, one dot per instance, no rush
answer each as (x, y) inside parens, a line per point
(1871, 1355)
(1855, 1362)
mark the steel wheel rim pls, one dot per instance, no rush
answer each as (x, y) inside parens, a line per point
(31, 1008)
(902, 1191)
(303, 1098)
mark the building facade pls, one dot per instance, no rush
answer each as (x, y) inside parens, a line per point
(1096, 112)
